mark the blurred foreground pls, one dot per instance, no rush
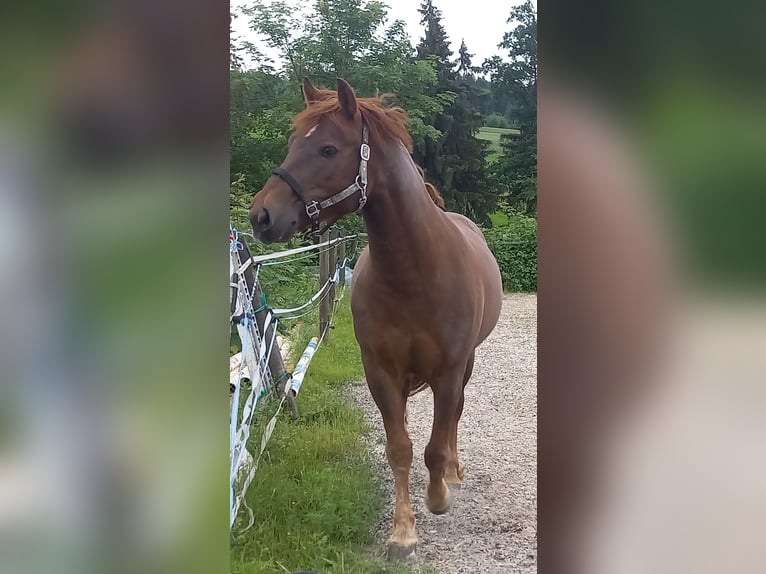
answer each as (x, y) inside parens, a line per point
(113, 340)
(652, 292)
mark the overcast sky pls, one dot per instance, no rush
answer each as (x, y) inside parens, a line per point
(481, 22)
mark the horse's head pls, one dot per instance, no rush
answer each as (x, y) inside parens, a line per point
(324, 175)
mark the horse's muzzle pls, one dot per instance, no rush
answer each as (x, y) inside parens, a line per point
(268, 229)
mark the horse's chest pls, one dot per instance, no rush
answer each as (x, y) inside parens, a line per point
(408, 339)
(418, 330)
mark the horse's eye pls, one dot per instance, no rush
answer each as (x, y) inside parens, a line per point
(328, 151)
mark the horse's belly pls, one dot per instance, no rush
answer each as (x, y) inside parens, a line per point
(492, 305)
(486, 277)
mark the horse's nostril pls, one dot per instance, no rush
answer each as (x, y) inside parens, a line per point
(260, 219)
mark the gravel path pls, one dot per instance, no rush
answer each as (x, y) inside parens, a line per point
(492, 526)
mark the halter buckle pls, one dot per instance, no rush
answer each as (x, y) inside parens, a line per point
(362, 186)
(312, 210)
(364, 152)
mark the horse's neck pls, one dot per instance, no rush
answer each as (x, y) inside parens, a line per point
(403, 224)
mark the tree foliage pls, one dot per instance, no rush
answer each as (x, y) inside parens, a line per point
(456, 161)
(464, 67)
(516, 171)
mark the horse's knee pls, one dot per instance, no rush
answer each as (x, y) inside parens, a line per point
(399, 452)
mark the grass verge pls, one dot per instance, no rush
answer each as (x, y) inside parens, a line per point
(492, 135)
(315, 497)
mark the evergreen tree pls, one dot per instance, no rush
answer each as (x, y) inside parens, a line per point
(435, 44)
(516, 170)
(464, 67)
(455, 162)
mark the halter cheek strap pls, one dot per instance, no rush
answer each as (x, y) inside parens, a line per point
(313, 208)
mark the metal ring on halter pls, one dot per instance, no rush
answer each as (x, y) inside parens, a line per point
(363, 192)
(312, 209)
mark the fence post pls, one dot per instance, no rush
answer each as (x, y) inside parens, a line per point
(276, 364)
(324, 275)
(341, 259)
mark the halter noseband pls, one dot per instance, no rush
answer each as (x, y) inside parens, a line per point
(360, 184)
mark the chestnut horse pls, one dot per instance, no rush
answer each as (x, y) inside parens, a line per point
(426, 290)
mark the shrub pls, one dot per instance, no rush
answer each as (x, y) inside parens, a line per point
(496, 121)
(514, 245)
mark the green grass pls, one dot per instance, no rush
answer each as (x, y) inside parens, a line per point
(315, 497)
(492, 135)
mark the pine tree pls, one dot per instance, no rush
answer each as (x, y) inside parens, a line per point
(517, 79)
(434, 43)
(464, 67)
(454, 162)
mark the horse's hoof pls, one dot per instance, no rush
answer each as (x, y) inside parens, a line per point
(401, 551)
(439, 504)
(439, 511)
(455, 485)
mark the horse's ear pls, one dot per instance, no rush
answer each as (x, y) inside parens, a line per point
(346, 98)
(310, 93)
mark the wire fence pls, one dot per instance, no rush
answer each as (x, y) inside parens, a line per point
(257, 372)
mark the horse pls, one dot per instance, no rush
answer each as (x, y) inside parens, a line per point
(426, 289)
(432, 191)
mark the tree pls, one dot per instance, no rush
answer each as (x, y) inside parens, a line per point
(455, 162)
(434, 44)
(516, 171)
(464, 67)
(261, 108)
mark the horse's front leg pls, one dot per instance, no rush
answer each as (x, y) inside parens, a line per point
(391, 402)
(439, 455)
(454, 472)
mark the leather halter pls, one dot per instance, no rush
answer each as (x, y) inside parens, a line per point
(360, 184)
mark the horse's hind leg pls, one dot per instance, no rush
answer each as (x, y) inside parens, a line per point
(447, 393)
(454, 474)
(392, 405)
